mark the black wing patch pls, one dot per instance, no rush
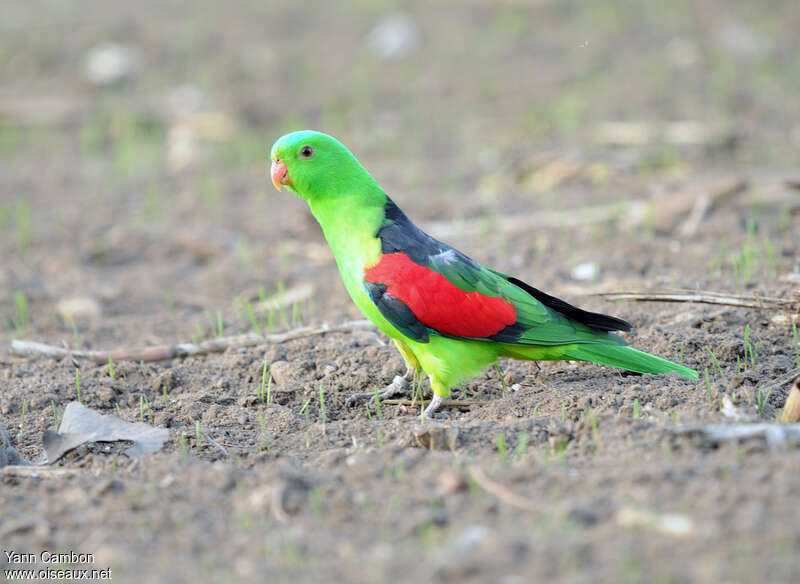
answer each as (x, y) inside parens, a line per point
(399, 234)
(510, 334)
(595, 320)
(397, 313)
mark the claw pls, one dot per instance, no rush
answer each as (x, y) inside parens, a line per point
(431, 411)
(399, 385)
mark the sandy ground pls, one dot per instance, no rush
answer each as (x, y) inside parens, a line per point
(565, 144)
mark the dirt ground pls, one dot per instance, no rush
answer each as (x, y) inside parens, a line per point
(567, 143)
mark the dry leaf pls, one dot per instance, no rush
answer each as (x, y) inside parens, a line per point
(81, 425)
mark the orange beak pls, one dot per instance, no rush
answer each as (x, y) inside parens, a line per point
(280, 176)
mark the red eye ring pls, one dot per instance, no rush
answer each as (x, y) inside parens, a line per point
(306, 152)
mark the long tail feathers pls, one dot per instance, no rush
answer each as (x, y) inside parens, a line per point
(626, 358)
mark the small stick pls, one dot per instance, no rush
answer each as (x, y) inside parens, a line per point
(503, 493)
(632, 214)
(705, 297)
(44, 472)
(778, 381)
(32, 350)
(219, 446)
(583, 216)
(771, 433)
(453, 403)
(286, 299)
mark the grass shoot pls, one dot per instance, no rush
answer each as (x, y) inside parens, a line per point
(265, 390)
(521, 451)
(56, 415)
(717, 366)
(762, 398)
(502, 378)
(182, 445)
(21, 319)
(502, 448)
(304, 410)
(708, 387)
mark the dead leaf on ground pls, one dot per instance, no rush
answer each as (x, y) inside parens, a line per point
(81, 425)
(436, 436)
(8, 454)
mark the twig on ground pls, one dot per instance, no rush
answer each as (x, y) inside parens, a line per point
(641, 132)
(504, 493)
(778, 381)
(706, 297)
(588, 215)
(664, 213)
(693, 203)
(41, 472)
(712, 435)
(219, 446)
(32, 350)
(453, 403)
(287, 298)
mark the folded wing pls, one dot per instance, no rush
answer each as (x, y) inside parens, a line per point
(423, 287)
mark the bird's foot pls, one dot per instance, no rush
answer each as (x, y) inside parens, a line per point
(432, 413)
(400, 385)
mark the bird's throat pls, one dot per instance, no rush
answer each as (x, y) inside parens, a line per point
(350, 225)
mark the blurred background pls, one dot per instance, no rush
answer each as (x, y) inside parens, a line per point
(583, 146)
(134, 137)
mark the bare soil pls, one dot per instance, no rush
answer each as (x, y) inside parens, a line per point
(568, 471)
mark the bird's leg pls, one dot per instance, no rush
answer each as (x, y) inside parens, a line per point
(431, 412)
(401, 384)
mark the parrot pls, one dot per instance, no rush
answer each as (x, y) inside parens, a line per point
(448, 315)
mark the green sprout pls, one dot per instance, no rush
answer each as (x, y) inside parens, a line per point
(502, 448)
(21, 320)
(322, 410)
(502, 378)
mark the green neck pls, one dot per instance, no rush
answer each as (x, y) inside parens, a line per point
(350, 222)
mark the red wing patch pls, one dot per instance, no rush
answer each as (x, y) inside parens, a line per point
(437, 303)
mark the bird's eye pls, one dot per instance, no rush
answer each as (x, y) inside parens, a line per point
(306, 151)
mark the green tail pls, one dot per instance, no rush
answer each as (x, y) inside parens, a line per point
(626, 358)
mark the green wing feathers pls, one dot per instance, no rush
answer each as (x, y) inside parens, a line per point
(548, 328)
(626, 358)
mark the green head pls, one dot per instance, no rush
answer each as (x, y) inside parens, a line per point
(315, 165)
